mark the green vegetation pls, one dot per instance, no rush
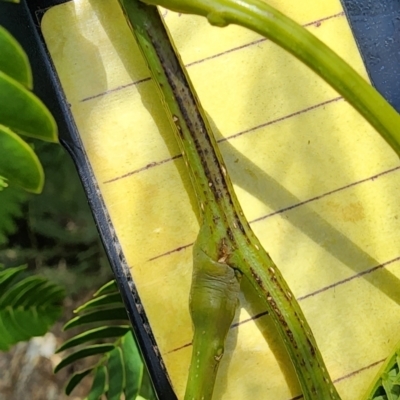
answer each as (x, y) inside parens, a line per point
(55, 229)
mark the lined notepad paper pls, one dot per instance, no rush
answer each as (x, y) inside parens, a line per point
(317, 183)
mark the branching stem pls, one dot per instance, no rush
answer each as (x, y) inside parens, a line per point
(226, 247)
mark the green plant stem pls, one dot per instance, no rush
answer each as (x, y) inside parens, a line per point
(213, 302)
(269, 22)
(225, 237)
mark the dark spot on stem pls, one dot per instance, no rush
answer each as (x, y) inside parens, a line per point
(289, 334)
(223, 251)
(230, 234)
(312, 348)
(241, 227)
(314, 390)
(215, 219)
(258, 280)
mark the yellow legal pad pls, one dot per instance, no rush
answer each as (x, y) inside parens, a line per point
(318, 184)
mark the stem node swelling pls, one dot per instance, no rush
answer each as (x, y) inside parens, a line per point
(226, 247)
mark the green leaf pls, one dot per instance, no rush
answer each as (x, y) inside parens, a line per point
(9, 317)
(22, 315)
(50, 294)
(13, 295)
(386, 383)
(22, 324)
(13, 59)
(11, 201)
(23, 112)
(392, 391)
(99, 384)
(133, 366)
(29, 321)
(103, 332)
(116, 375)
(75, 379)
(8, 275)
(3, 183)
(86, 352)
(33, 288)
(6, 338)
(54, 296)
(111, 314)
(109, 287)
(105, 300)
(124, 363)
(18, 162)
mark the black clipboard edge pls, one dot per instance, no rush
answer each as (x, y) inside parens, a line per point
(376, 28)
(23, 21)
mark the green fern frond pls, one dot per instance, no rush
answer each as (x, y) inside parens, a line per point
(109, 287)
(76, 379)
(23, 311)
(387, 382)
(104, 300)
(103, 332)
(8, 275)
(83, 353)
(119, 372)
(104, 315)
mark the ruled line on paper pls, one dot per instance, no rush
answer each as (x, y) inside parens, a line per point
(359, 370)
(183, 247)
(234, 49)
(282, 210)
(285, 117)
(350, 185)
(300, 396)
(117, 89)
(125, 84)
(145, 168)
(253, 318)
(339, 283)
(317, 23)
(324, 289)
(343, 281)
(233, 136)
(301, 298)
(179, 348)
(344, 377)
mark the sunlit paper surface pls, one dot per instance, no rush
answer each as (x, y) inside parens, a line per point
(319, 185)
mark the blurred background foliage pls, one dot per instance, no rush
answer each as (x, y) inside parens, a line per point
(55, 235)
(54, 232)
